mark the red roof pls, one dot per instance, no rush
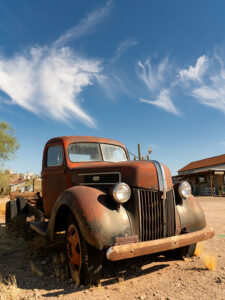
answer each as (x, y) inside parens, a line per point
(17, 181)
(207, 162)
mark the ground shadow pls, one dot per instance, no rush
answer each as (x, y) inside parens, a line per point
(21, 254)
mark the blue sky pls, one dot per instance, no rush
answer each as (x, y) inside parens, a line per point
(137, 71)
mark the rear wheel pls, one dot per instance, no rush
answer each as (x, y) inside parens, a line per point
(85, 261)
(10, 211)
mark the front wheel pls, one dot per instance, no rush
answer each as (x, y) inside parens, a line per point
(85, 261)
(184, 252)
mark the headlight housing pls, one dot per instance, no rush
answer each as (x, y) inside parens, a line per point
(121, 192)
(184, 189)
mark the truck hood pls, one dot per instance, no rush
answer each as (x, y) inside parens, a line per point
(141, 174)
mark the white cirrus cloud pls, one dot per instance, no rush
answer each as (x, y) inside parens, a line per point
(209, 89)
(154, 76)
(163, 101)
(86, 26)
(122, 48)
(48, 80)
(213, 93)
(195, 73)
(159, 82)
(113, 80)
(205, 81)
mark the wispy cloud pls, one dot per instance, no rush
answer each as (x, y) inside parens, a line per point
(157, 79)
(86, 26)
(49, 80)
(122, 48)
(194, 73)
(212, 95)
(154, 76)
(163, 101)
(204, 81)
(113, 80)
(210, 88)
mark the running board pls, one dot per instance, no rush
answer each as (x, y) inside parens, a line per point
(40, 227)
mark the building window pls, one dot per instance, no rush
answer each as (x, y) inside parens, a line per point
(202, 180)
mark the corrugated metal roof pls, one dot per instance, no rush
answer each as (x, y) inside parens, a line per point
(207, 162)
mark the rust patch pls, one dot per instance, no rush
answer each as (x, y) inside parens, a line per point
(126, 240)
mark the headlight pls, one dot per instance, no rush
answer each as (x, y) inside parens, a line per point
(121, 192)
(184, 189)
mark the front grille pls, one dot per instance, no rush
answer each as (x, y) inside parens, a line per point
(153, 214)
(170, 214)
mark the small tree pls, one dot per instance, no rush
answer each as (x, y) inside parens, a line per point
(8, 143)
(8, 148)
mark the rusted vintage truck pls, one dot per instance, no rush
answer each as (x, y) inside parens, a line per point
(111, 206)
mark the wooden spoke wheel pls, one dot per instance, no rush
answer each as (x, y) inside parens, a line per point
(73, 245)
(85, 261)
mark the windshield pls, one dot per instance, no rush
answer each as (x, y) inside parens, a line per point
(113, 153)
(84, 152)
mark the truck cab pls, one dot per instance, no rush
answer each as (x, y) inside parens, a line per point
(67, 159)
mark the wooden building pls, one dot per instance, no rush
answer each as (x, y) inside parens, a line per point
(206, 176)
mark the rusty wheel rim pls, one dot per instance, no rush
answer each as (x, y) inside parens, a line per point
(73, 249)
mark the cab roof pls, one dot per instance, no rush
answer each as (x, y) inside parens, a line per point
(66, 140)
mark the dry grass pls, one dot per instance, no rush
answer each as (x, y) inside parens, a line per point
(8, 288)
(37, 185)
(17, 237)
(10, 291)
(199, 249)
(2, 209)
(3, 200)
(209, 259)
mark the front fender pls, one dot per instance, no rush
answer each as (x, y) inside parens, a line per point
(99, 220)
(191, 215)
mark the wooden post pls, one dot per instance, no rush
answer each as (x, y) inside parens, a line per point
(211, 184)
(139, 151)
(198, 186)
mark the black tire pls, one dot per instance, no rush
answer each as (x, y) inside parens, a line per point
(21, 205)
(184, 252)
(87, 269)
(10, 211)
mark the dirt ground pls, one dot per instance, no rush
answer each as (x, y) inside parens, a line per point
(29, 269)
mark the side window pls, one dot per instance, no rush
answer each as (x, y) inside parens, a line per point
(54, 156)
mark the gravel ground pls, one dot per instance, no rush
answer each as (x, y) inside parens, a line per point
(31, 274)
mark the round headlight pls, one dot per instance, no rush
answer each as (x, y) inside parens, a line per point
(121, 192)
(184, 189)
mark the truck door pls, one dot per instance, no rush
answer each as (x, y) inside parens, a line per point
(53, 175)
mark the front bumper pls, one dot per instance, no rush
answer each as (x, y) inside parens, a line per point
(130, 250)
